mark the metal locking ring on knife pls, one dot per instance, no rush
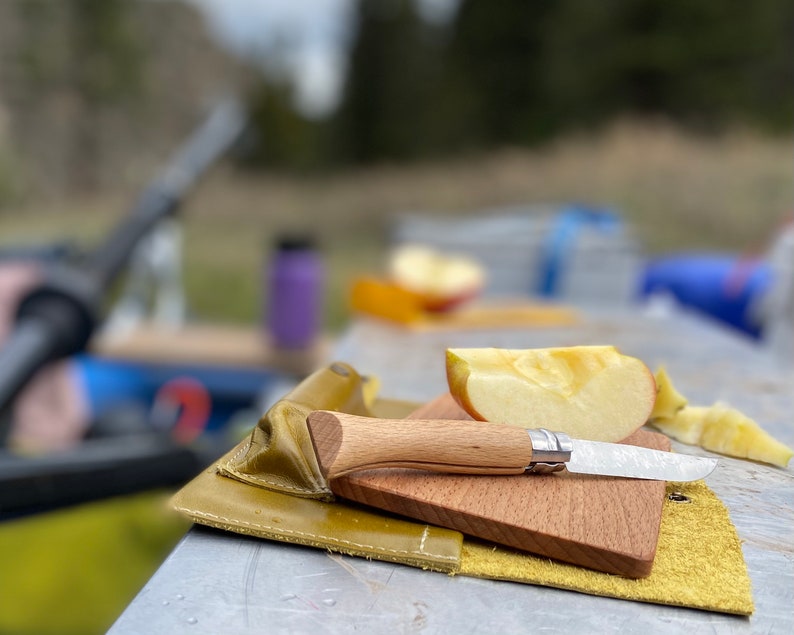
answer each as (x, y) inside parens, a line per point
(550, 450)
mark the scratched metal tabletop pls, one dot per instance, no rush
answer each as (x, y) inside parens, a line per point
(216, 582)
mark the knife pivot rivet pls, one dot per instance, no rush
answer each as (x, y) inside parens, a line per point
(550, 450)
(678, 497)
(544, 468)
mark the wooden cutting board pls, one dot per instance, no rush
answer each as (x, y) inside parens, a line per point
(603, 523)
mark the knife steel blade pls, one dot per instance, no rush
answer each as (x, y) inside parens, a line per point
(630, 461)
(345, 443)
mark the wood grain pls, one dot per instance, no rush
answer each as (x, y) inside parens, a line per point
(603, 523)
(344, 443)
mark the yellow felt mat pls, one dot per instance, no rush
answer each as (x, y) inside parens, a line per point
(698, 564)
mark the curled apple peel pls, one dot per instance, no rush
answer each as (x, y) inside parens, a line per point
(588, 392)
(669, 401)
(718, 428)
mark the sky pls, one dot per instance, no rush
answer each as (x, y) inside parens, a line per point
(316, 34)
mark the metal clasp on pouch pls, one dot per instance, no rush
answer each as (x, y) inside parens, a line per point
(550, 450)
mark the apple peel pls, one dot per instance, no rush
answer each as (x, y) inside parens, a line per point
(718, 428)
(587, 392)
(668, 400)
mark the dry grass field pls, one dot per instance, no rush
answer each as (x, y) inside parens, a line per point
(677, 192)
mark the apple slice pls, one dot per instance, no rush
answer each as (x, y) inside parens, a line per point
(725, 430)
(441, 280)
(588, 392)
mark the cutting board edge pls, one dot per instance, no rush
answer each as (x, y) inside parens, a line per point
(636, 563)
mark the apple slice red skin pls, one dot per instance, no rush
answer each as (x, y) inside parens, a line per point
(441, 304)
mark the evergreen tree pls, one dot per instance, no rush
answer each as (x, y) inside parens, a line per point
(498, 58)
(390, 82)
(707, 62)
(280, 135)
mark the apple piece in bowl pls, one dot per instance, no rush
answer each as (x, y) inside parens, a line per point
(442, 280)
(587, 392)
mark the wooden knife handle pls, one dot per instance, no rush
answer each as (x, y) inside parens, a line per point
(346, 443)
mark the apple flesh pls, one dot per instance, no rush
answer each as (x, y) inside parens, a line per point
(724, 430)
(441, 280)
(685, 426)
(719, 428)
(587, 392)
(728, 431)
(668, 400)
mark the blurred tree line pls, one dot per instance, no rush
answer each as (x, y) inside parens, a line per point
(520, 72)
(93, 93)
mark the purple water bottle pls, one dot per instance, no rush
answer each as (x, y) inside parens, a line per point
(295, 280)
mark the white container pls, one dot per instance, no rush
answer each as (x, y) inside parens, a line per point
(776, 308)
(594, 268)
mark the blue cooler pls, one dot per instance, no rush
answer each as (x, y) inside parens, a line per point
(724, 287)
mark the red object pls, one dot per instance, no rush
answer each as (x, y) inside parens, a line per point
(195, 405)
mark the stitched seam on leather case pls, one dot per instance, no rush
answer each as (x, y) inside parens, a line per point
(250, 477)
(310, 535)
(274, 484)
(242, 450)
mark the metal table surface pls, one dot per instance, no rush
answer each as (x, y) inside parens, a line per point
(216, 582)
